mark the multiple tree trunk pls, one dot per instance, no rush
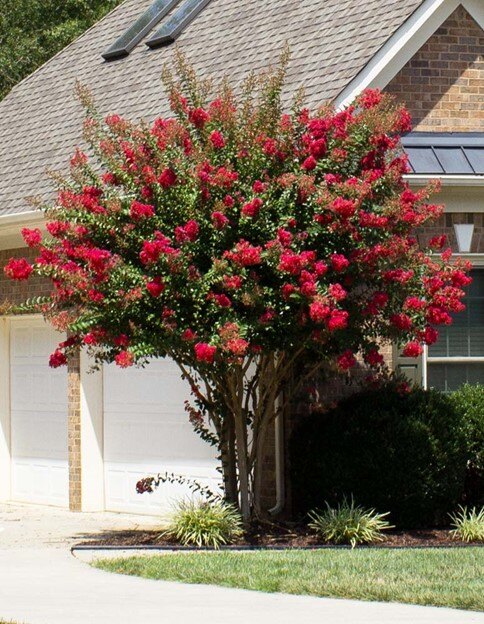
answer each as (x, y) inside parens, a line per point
(242, 401)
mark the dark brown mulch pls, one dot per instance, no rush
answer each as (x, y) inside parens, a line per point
(279, 536)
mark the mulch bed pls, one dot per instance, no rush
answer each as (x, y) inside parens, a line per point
(280, 537)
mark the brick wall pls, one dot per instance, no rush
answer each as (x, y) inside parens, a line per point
(443, 84)
(445, 225)
(17, 292)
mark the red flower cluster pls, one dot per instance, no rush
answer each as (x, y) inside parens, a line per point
(187, 233)
(141, 211)
(205, 352)
(18, 269)
(217, 233)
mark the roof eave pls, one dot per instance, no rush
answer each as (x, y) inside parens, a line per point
(421, 179)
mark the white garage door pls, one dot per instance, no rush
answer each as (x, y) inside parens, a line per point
(38, 416)
(146, 431)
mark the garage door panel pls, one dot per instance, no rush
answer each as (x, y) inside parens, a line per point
(36, 389)
(121, 484)
(147, 431)
(38, 481)
(46, 439)
(39, 416)
(152, 436)
(130, 388)
(21, 345)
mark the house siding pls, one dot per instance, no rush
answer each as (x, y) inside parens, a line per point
(443, 84)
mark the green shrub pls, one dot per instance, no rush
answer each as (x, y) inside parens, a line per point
(348, 523)
(204, 524)
(405, 453)
(469, 524)
(469, 401)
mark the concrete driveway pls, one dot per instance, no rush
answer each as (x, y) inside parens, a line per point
(34, 526)
(42, 583)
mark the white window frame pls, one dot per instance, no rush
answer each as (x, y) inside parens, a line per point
(477, 263)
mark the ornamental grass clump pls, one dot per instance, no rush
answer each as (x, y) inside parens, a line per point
(348, 523)
(469, 524)
(199, 523)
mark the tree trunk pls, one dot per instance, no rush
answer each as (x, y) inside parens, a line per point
(229, 460)
(243, 471)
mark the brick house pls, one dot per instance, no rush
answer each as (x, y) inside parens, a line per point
(81, 441)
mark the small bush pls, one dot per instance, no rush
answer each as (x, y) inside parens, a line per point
(469, 402)
(204, 524)
(405, 453)
(348, 523)
(469, 524)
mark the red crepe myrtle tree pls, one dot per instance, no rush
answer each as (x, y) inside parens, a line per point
(239, 240)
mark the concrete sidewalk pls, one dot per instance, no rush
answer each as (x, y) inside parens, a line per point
(42, 583)
(50, 586)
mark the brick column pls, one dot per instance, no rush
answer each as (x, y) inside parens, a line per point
(74, 433)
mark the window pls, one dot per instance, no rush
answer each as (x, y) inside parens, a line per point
(458, 356)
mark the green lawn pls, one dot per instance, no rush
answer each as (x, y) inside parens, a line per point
(444, 577)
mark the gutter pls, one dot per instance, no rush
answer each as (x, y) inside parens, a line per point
(21, 217)
(445, 180)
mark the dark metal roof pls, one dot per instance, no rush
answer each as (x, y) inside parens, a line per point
(445, 153)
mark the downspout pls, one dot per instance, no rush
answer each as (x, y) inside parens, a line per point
(279, 460)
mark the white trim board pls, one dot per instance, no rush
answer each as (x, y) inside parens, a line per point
(405, 43)
(10, 226)
(421, 179)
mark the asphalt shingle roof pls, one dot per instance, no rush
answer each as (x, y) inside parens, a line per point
(40, 120)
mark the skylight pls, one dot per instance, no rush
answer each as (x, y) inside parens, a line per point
(169, 31)
(177, 23)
